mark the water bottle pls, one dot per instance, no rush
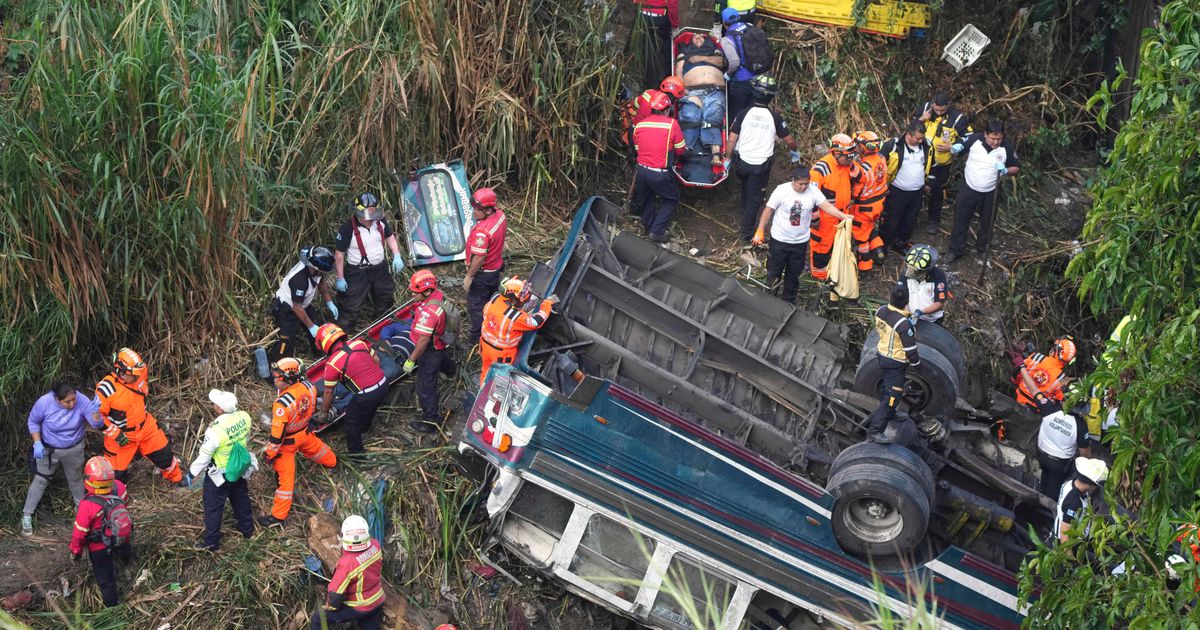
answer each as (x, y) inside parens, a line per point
(261, 364)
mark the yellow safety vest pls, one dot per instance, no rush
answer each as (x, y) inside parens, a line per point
(230, 428)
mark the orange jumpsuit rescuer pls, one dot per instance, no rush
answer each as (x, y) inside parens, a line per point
(504, 322)
(834, 174)
(868, 194)
(289, 433)
(128, 428)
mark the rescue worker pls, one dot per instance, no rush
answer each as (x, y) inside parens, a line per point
(835, 175)
(1075, 495)
(101, 483)
(1047, 372)
(753, 135)
(789, 212)
(944, 126)
(1061, 437)
(928, 288)
(129, 428)
(353, 364)
(429, 356)
(657, 140)
(290, 415)
(505, 321)
(672, 86)
(897, 352)
(360, 258)
(292, 308)
(355, 592)
(908, 165)
(485, 256)
(655, 21)
(231, 427)
(56, 423)
(988, 158)
(868, 194)
(738, 88)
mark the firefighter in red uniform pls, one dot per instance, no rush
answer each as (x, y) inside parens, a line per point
(352, 363)
(289, 433)
(485, 257)
(639, 108)
(1047, 372)
(655, 21)
(655, 192)
(128, 428)
(103, 492)
(355, 592)
(835, 175)
(429, 356)
(868, 194)
(505, 322)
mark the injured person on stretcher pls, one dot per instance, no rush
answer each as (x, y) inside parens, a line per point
(701, 63)
(393, 348)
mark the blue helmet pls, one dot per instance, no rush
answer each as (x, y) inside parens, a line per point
(730, 15)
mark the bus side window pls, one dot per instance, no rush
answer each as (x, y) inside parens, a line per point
(691, 597)
(613, 557)
(769, 612)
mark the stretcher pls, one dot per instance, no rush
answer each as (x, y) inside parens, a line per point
(891, 18)
(695, 168)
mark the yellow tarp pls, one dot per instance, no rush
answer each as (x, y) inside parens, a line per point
(893, 18)
(843, 266)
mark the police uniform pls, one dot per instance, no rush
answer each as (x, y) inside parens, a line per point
(655, 191)
(228, 429)
(897, 352)
(486, 240)
(123, 408)
(289, 433)
(429, 320)
(940, 132)
(298, 287)
(365, 267)
(1060, 437)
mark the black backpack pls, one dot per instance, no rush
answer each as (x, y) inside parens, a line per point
(755, 49)
(116, 529)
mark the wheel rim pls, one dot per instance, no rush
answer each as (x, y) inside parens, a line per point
(917, 393)
(873, 520)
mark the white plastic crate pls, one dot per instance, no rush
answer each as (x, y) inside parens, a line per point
(965, 48)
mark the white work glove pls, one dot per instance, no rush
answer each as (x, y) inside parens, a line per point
(1001, 168)
(333, 309)
(795, 155)
(340, 285)
(397, 265)
(312, 330)
(956, 149)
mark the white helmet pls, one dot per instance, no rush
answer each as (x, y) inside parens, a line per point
(1092, 470)
(356, 535)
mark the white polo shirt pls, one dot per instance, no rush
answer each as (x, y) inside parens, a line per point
(910, 176)
(980, 172)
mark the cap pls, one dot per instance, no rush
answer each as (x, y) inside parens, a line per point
(730, 15)
(227, 401)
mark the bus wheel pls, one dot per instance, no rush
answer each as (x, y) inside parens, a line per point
(880, 511)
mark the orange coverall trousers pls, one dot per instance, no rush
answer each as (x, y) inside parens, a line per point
(310, 446)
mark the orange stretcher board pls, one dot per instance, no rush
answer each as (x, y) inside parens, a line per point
(893, 18)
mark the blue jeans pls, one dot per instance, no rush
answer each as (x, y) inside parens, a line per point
(702, 122)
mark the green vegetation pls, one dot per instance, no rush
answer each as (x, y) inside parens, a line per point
(1147, 217)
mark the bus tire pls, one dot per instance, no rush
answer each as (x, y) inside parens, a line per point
(880, 511)
(942, 340)
(932, 386)
(893, 455)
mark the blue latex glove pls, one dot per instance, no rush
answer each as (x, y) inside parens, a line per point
(795, 155)
(916, 314)
(397, 265)
(186, 481)
(1001, 168)
(340, 285)
(409, 366)
(956, 149)
(333, 310)
(726, 164)
(39, 450)
(312, 330)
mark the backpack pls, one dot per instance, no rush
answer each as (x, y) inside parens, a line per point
(116, 530)
(239, 461)
(754, 49)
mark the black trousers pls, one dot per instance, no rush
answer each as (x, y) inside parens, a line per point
(360, 413)
(787, 260)
(484, 286)
(892, 391)
(375, 281)
(293, 334)
(900, 211)
(106, 574)
(739, 97)
(1055, 472)
(655, 48)
(939, 177)
(238, 495)
(969, 203)
(655, 198)
(369, 620)
(754, 179)
(429, 366)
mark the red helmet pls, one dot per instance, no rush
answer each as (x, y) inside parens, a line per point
(98, 475)
(1064, 349)
(422, 281)
(841, 144)
(327, 334)
(868, 140)
(659, 101)
(673, 85)
(484, 198)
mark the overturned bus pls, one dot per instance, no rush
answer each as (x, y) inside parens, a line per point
(690, 453)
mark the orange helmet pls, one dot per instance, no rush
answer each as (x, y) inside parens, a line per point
(673, 85)
(288, 368)
(422, 281)
(841, 144)
(514, 290)
(868, 140)
(126, 361)
(1064, 349)
(98, 475)
(327, 334)
(659, 101)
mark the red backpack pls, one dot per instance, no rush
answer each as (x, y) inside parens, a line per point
(116, 529)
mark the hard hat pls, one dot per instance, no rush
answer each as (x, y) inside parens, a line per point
(98, 475)
(841, 144)
(659, 101)
(327, 334)
(226, 401)
(1093, 471)
(673, 85)
(422, 281)
(319, 258)
(514, 290)
(287, 368)
(764, 86)
(446, 626)
(484, 198)
(921, 257)
(356, 534)
(868, 140)
(1064, 349)
(730, 15)
(126, 361)
(366, 207)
